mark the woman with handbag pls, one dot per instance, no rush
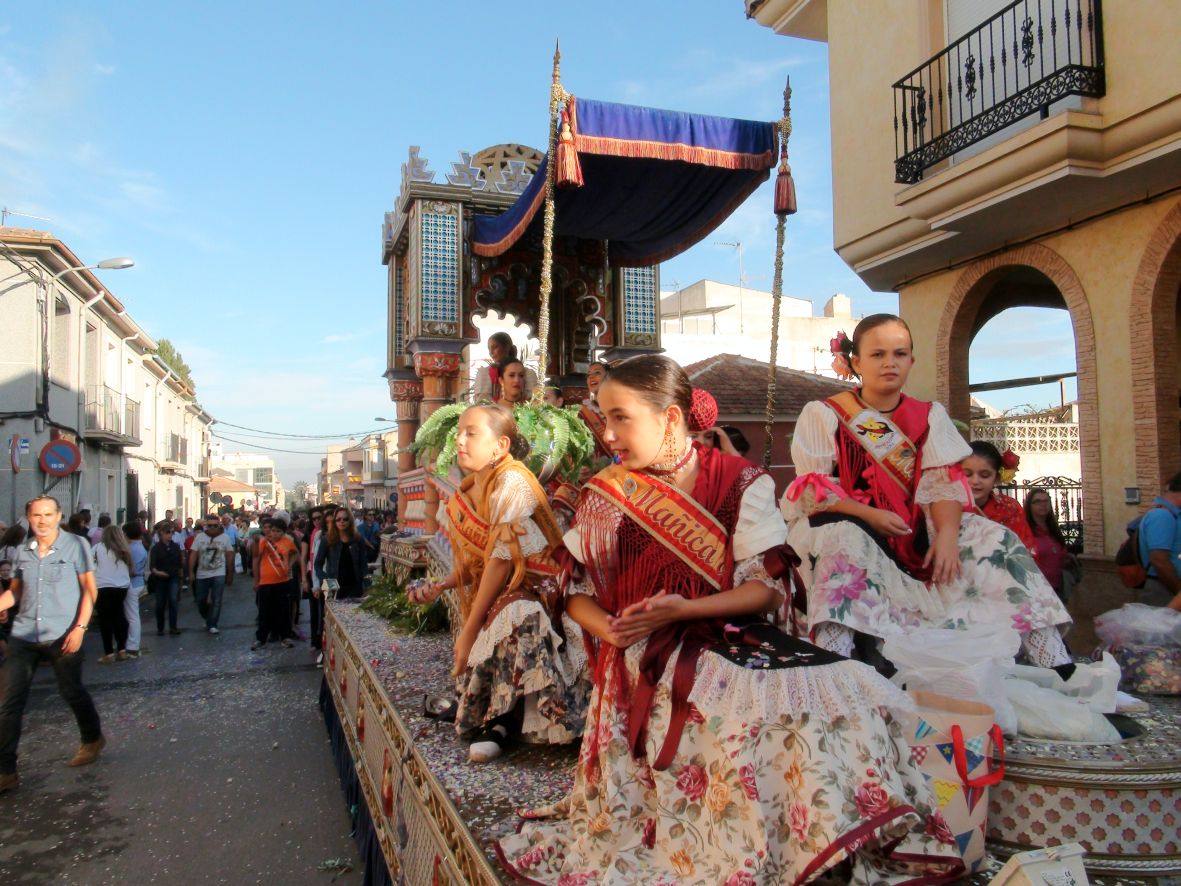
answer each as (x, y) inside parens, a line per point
(342, 558)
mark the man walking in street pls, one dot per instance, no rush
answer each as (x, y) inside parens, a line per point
(55, 589)
(211, 563)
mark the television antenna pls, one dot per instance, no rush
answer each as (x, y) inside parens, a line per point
(736, 245)
(5, 212)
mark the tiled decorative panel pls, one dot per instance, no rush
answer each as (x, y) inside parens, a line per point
(399, 330)
(439, 290)
(640, 320)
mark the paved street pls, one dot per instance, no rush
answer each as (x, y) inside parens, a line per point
(217, 768)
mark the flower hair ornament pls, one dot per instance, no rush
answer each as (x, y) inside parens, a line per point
(1010, 462)
(841, 347)
(703, 411)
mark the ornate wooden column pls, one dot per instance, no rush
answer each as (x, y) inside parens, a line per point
(406, 392)
(438, 372)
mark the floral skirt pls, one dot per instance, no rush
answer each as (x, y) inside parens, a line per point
(519, 658)
(853, 581)
(778, 776)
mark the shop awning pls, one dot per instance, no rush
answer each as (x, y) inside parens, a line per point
(654, 182)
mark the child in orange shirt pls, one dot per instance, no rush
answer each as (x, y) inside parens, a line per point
(276, 556)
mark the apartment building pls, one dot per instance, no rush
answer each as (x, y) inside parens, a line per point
(252, 469)
(379, 472)
(989, 155)
(78, 368)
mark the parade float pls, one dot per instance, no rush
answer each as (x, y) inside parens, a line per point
(571, 248)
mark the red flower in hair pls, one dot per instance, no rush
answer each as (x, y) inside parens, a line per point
(703, 411)
(1010, 460)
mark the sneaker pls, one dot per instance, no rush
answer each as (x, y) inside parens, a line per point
(257, 644)
(288, 643)
(133, 653)
(214, 631)
(489, 746)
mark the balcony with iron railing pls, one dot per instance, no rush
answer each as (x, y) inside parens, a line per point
(1020, 62)
(111, 418)
(174, 453)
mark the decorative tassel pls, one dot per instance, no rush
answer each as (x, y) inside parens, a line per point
(785, 190)
(569, 170)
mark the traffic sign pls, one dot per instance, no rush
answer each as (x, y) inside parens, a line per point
(60, 458)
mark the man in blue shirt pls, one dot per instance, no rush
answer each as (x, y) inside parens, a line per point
(54, 587)
(1160, 548)
(370, 531)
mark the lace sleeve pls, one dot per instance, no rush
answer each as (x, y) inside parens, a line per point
(752, 569)
(813, 454)
(760, 525)
(944, 444)
(513, 504)
(943, 484)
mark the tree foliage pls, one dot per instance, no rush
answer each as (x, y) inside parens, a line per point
(167, 352)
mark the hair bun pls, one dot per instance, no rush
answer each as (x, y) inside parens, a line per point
(703, 411)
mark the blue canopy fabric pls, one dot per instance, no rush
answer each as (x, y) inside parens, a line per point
(655, 181)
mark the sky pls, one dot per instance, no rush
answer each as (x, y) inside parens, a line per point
(245, 154)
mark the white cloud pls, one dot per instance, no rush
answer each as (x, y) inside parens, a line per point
(104, 70)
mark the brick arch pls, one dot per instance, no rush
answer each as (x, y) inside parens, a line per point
(968, 295)
(1154, 356)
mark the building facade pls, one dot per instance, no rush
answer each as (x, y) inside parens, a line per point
(710, 318)
(1030, 157)
(78, 368)
(252, 469)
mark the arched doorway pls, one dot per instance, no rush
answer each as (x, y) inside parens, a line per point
(1155, 324)
(1031, 276)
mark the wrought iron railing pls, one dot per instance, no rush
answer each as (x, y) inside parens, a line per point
(131, 419)
(1026, 57)
(1066, 497)
(103, 410)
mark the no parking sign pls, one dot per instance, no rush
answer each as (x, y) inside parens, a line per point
(60, 458)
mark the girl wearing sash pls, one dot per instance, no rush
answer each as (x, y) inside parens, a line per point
(885, 523)
(716, 748)
(516, 675)
(590, 412)
(981, 470)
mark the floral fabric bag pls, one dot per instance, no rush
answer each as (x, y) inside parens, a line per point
(953, 741)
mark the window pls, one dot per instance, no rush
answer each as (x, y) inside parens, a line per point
(60, 355)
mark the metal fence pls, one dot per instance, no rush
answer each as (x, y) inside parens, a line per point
(1066, 496)
(1019, 62)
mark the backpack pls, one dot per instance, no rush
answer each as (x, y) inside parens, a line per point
(1132, 571)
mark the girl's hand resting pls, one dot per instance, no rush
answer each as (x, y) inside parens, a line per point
(424, 592)
(645, 617)
(945, 555)
(887, 523)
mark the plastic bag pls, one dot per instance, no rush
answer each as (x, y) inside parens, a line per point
(1095, 682)
(1044, 713)
(1136, 624)
(969, 664)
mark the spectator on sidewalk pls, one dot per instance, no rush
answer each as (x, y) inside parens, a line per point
(5, 618)
(370, 531)
(211, 563)
(11, 541)
(1160, 548)
(139, 566)
(78, 525)
(312, 578)
(112, 571)
(96, 534)
(342, 557)
(165, 567)
(275, 557)
(54, 589)
(231, 531)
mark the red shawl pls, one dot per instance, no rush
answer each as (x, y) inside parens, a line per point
(866, 481)
(626, 565)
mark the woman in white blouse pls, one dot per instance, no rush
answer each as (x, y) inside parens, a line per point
(885, 523)
(112, 573)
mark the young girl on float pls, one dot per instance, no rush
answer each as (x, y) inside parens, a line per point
(982, 469)
(716, 748)
(881, 513)
(516, 675)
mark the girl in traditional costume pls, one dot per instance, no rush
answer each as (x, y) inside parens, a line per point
(981, 470)
(487, 383)
(517, 677)
(885, 523)
(590, 412)
(716, 749)
(514, 384)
